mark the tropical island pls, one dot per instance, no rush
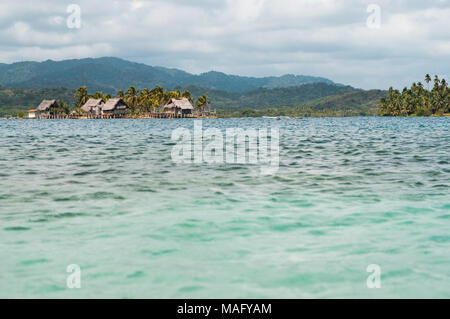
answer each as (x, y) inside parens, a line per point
(417, 100)
(23, 87)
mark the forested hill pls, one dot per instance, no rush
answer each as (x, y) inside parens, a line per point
(14, 100)
(354, 103)
(112, 74)
(262, 98)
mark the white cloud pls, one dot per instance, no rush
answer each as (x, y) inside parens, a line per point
(248, 37)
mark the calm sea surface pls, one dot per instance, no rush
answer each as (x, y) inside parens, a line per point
(105, 195)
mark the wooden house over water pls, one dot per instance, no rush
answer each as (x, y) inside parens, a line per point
(93, 107)
(179, 108)
(47, 109)
(115, 107)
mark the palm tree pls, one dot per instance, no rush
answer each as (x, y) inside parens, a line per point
(435, 96)
(175, 94)
(383, 108)
(171, 95)
(202, 101)
(436, 82)
(443, 98)
(98, 95)
(158, 96)
(82, 96)
(63, 108)
(157, 93)
(186, 94)
(131, 97)
(428, 80)
(145, 100)
(120, 94)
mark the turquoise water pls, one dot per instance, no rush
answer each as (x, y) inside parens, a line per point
(105, 195)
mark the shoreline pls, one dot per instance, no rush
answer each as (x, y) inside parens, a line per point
(216, 118)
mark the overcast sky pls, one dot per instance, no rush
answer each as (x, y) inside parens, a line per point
(336, 39)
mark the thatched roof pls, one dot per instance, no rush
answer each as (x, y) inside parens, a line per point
(183, 104)
(46, 105)
(113, 104)
(92, 103)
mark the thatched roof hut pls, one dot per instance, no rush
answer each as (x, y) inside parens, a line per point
(182, 104)
(46, 105)
(115, 106)
(179, 106)
(93, 106)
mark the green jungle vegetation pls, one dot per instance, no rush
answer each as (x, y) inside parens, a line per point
(314, 99)
(417, 100)
(141, 101)
(307, 100)
(16, 101)
(358, 103)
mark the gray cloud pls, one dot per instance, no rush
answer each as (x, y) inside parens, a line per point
(248, 37)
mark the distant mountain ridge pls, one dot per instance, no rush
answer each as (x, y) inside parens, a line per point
(278, 97)
(111, 74)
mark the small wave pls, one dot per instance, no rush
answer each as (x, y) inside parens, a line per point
(136, 274)
(16, 228)
(440, 239)
(34, 262)
(288, 227)
(66, 199)
(190, 288)
(160, 252)
(105, 195)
